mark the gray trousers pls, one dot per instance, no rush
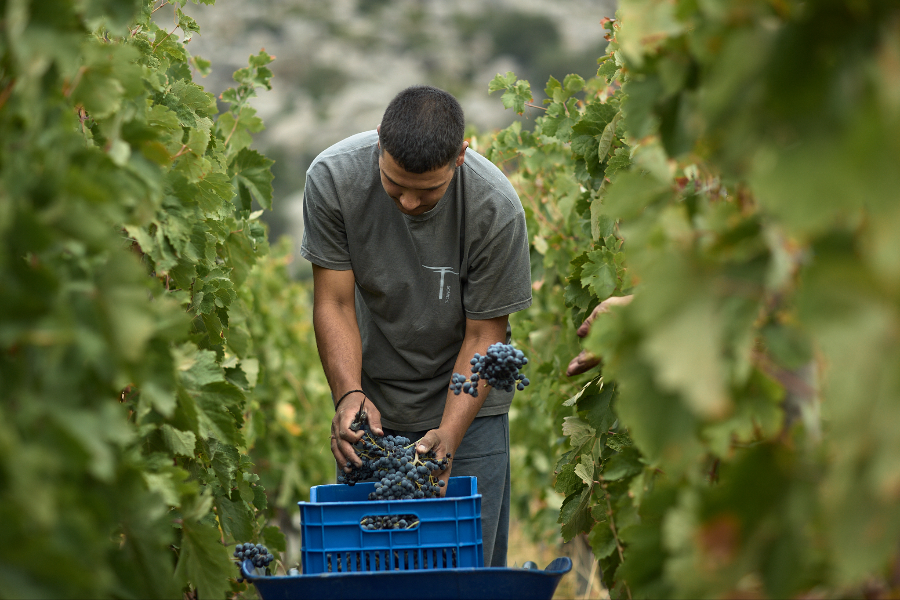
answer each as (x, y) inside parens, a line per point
(484, 453)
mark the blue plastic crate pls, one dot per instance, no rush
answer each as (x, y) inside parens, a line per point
(448, 535)
(446, 584)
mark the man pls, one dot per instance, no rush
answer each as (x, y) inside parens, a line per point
(420, 254)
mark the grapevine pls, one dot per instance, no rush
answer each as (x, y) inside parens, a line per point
(499, 368)
(725, 395)
(140, 235)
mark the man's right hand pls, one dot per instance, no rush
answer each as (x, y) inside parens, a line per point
(342, 437)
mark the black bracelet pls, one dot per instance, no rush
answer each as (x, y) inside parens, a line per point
(336, 404)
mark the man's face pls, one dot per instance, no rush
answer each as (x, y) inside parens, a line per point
(416, 193)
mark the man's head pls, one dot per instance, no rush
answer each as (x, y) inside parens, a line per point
(422, 129)
(420, 142)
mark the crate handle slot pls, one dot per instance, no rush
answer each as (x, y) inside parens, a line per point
(379, 523)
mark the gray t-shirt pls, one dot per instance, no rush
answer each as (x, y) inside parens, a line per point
(417, 277)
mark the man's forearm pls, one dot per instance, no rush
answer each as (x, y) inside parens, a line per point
(338, 341)
(340, 348)
(461, 410)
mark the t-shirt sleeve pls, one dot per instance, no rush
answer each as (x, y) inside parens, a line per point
(498, 281)
(324, 241)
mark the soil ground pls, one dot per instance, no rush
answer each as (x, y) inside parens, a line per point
(582, 582)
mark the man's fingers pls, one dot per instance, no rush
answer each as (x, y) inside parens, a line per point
(581, 363)
(375, 422)
(342, 446)
(426, 443)
(585, 327)
(346, 454)
(350, 436)
(338, 455)
(586, 361)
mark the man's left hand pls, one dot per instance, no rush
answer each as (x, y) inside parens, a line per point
(437, 441)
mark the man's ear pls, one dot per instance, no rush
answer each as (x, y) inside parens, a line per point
(462, 155)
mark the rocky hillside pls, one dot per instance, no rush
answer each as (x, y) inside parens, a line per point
(339, 62)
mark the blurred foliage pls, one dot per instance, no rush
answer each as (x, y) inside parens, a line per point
(288, 412)
(732, 164)
(733, 161)
(129, 348)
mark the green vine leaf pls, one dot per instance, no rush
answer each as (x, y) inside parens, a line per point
(202, 560)
(622, 465)
(252, 178)
(585, 469)
(601, 539)
(274, 538)
(568, 481)
(577, 431)
(517, 93)
(575, 514)
(597, 407)
(235, 516)
(179, 443)
(599, 275)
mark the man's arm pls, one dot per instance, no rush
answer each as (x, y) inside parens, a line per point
(460, 411)
(340, 350)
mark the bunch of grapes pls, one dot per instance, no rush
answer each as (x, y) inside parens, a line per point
(499, 368)
(256, 553)
(399, 471)
(389, 522)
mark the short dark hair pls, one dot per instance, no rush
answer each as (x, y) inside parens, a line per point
(422, 128)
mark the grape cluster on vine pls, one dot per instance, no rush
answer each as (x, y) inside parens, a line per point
(256, 553)
(378, 522)
(400, 473)
(499, 368)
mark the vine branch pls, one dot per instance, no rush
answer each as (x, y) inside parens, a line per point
(615, 533)
(231, 133)
(174, 29)
(7, 92)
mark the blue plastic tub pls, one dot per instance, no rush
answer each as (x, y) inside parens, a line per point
(444, 584)
(447, 536)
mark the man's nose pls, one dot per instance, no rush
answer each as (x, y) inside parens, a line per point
(409, 201)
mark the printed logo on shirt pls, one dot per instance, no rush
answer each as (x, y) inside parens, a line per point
(442, 295)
